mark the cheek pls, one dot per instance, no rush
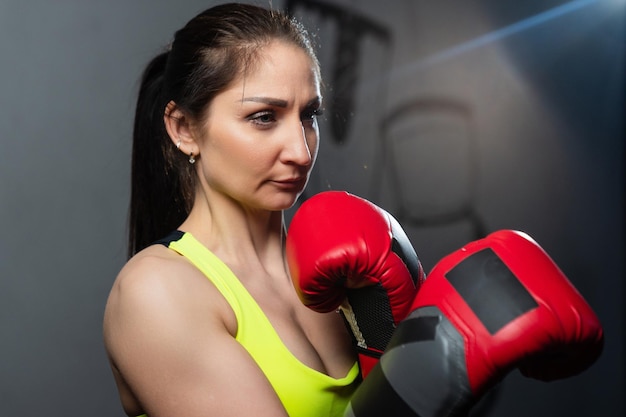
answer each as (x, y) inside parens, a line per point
(253, 160)
(236, 150)
(259, 160)
(313, 142)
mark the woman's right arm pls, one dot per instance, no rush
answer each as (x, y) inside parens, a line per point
(169, 334)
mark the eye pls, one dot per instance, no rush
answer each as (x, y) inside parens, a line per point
(310, 115)
(263, 118)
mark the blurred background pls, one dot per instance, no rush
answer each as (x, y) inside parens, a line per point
(459, 117)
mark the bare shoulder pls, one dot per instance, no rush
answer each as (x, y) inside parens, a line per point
(158, 289)
(153, 267)
(151, 277)
(170, 337)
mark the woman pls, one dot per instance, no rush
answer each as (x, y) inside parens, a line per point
(206, 322)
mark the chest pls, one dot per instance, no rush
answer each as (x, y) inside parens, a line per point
(319, 341)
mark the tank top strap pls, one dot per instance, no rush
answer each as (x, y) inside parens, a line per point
(172, 237)
(213, 268)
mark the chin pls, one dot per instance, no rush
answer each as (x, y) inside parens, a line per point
(288, 205)
(287, 201)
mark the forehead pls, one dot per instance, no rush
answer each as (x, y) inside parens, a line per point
(279, 66)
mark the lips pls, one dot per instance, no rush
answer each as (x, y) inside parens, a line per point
(291, 180)
(289, 183)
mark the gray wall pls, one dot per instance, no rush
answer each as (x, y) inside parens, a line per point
(517, 125)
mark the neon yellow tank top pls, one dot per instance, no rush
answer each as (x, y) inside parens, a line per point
(303, 391)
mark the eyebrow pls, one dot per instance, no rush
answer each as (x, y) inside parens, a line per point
(267, 100)
(277, 101)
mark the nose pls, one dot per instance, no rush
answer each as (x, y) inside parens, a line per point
(301, 145)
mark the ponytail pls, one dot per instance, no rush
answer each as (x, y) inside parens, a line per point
(160, 191)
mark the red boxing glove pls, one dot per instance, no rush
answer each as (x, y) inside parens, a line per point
(345, 251)
(497, 304)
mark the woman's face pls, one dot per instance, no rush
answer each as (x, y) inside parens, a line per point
(259, 140)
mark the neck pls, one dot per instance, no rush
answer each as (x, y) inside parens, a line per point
(235, 232)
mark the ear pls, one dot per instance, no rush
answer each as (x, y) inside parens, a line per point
(179, 129)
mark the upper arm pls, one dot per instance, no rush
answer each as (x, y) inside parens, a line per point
(166, 335)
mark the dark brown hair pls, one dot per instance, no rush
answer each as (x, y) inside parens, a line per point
(206, 55)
